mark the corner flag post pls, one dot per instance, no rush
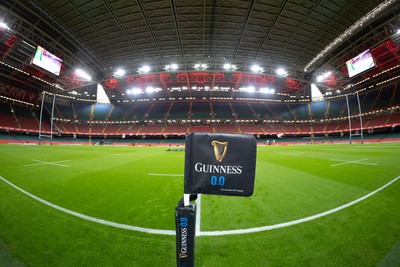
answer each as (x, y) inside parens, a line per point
(215, 164)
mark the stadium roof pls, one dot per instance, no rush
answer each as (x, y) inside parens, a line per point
(306, 38)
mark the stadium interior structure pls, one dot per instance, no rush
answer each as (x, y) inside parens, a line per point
(171, 68)
(139, 76)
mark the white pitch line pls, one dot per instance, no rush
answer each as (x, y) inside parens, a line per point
(55, 163)
(165, 174)
(292, 154)
(92, 219)
(290, 223)
(201, 233)
(359, 161)
(121, 154)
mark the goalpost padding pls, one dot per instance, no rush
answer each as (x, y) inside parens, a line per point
(185, 220)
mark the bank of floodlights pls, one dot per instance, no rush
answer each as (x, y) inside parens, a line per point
(281, 72)
(134, 91)
(256, 69)
(4, 26)
(323, 76)
(171, 67)
(200, 66)
(83, 74)
(119, 73)
(144, 69)
(229, 67)
(266, 90)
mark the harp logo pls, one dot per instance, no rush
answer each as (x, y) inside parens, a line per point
(220, 149)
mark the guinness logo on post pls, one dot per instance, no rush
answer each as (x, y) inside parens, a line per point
(220, 149)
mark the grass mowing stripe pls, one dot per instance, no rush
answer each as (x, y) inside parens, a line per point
(286, 224)
(92, 219)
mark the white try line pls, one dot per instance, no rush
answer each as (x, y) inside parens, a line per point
(198, 231)
(55, 163)
(359, 161)
(165, 174)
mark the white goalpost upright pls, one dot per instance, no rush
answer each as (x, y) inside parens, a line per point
(361, 122)
(41, 135)
(349, 117)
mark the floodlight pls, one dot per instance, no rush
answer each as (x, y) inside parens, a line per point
(136, 91)
(229, 66)
(266, 90)
(171, 67)
(256, 68)
(251, 89)
(83, 74)
(281, 72)
(150, 89)
(200, 66)
(119, 72)
(144, 69)
(4, 26)
(323, 76)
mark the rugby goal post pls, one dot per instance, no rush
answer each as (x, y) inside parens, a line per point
(361, 134)
(41, 135)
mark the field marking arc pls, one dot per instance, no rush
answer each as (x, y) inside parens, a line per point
(201, 233)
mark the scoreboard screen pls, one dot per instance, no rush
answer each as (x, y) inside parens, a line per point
(220, 164)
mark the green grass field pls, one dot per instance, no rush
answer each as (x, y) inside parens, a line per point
(140, 186)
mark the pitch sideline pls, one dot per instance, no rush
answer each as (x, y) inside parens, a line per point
(199, 232)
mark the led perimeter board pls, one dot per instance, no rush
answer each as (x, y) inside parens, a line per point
(220, 164)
